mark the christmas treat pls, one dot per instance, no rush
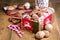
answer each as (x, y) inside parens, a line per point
(16, 29)
(40, 34)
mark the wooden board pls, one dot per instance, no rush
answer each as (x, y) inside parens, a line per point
(6, 34)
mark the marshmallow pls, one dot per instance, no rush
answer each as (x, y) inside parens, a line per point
(49, 27)
(27, 5)
(40, 34)
(46, 33)
(5, 8)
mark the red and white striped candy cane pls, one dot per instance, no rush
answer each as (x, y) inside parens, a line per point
(16, 29)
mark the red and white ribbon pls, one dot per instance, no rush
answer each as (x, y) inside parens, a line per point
(16, 29)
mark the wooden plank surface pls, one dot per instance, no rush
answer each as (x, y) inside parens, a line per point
(6, 34)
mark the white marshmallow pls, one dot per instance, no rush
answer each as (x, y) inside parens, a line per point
(46, 33)
(40, 34)
(5, 8)
(49, 27)
(27, 5)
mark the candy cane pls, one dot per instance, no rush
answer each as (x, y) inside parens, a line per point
(16, 29)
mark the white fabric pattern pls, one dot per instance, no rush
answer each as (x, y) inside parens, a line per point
(43, 3)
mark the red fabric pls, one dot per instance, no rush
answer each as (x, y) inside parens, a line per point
(27, 24)
(15, 12)
(45, 20)
(28, 11)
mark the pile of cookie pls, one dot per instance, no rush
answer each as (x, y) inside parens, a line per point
(24, 11)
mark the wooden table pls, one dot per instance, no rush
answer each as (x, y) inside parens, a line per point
(6, 34)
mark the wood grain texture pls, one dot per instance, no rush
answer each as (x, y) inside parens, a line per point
(6, 34)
